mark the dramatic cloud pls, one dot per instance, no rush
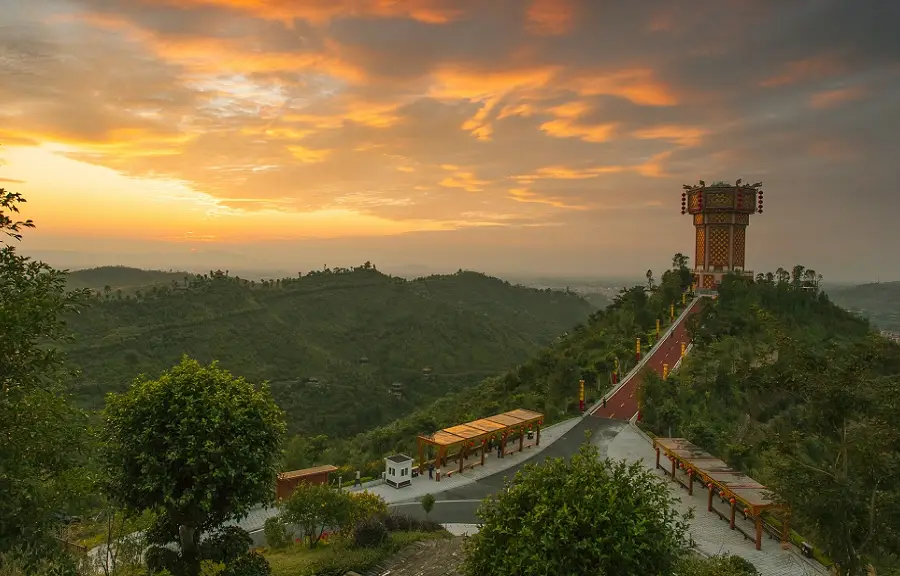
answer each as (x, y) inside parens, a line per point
(510, 115)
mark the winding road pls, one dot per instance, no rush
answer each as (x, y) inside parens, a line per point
(459, 505)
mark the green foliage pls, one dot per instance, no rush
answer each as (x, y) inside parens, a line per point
(370, 533)
(197, 445)
(313, 507)
(363, 506)
(111, 280)
(277, 535)
(225, 544)
(329, 342)
(797, 393)
(548, 383)
(396, 522)
(559, 517)
(337, 561)
(210, 568)
(427, 503)
(724, 565)
(248, 564)
(43, 435)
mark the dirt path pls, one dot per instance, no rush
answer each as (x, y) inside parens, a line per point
(429, 558)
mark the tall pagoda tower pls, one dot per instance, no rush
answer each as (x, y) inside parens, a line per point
(721, 215)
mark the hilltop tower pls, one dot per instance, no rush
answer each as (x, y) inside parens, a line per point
(721, 214)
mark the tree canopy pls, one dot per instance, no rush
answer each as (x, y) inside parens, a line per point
(583, 516)
(41, 434)
(197, 446)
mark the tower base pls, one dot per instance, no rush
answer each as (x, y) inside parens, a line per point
(708, 282)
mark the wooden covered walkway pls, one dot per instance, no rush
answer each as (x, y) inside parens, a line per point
(723, 481)
(479, 435)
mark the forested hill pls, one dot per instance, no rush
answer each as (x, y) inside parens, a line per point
(805, 398)
(345, 350)
(120, 280)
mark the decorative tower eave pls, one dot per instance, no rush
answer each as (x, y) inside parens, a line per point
(721, 214)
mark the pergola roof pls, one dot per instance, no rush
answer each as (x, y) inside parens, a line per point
(711, 469)
(307, 472)
(483, 427)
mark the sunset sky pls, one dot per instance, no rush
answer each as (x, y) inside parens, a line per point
(547, 136)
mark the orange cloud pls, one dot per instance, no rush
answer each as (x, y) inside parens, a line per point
(322, 11)
(465, 180)
(807, 69)
(565, 128)
(527, 196)
(550, 17)
(681, 135)
(833, 98)
(565, 173)
(640, 86)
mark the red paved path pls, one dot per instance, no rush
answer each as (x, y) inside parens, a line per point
(624, 404)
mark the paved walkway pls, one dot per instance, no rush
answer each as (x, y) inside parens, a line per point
(710, 533)
(623, 404)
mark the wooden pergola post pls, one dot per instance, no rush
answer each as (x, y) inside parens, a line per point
(657, 456)
(690, 483)
(733, 504)
(673, 467)
(785, 526)
(538, 439)
(758, 531)
(521, 438)
(439, 462)
(483, 446)
(421, 448)
(709, 507)
(462, 457)
(503, 443)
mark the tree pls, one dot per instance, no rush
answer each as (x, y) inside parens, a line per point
(649, 279)
(560, 517)
(427, 503)
(197, 446)
(315, 507)
(679, 261)
(41, 434)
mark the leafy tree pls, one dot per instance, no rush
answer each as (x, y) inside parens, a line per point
(560, 517)
(650, 281)
(362, 506)
(315, 507)
(427, 503)
(679, 261)
(197, 446)
(42, 436)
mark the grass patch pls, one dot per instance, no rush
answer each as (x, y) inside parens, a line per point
(339, 555)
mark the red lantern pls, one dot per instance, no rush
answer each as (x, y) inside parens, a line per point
(710, 485)
(731, 501)
(746, 511)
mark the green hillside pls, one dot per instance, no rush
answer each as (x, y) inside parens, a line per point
(880, 302)
(120, 279)
(803, 397)
(332, 343)
(547, 382)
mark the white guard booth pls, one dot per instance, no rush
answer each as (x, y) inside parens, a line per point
(398, 470)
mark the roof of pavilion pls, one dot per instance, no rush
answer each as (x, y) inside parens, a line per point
(483, 427)
(712, 469)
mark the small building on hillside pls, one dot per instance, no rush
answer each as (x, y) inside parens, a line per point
(288, 481)
(398, 470)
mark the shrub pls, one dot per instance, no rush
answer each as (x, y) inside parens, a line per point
(210, 568)
(370, 533)
(363, 505)
(249, 564)
(337, 561)
(427, 503)
(226, 544)
(276, 531)
(405, 523)
(741, 565)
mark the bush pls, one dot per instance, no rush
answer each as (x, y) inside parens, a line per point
(210, 568)
(406, 523)
(725, 565)
(362, 506)
(370, 533)
(226, 544)
(276, 531)
(337, 561)
(249, 564)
